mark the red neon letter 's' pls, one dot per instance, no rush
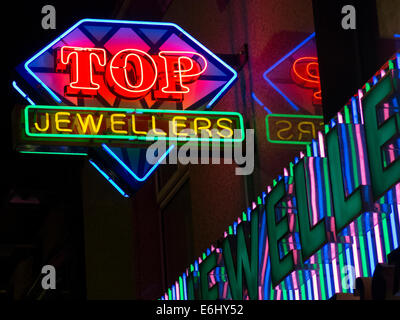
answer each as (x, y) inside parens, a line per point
(305, 73)
(83, 63)
(180, 67)
(131, 73)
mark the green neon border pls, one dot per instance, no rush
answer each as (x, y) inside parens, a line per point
(128, 137)
(55, 153)
(277, 115)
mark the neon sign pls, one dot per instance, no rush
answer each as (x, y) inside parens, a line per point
(130, 64)
(292, 129)
(95, 125)
(295, 77)
(335, 208)
(130, 73)
(118, 64)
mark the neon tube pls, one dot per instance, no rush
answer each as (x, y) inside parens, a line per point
(349, 262)
(371, 253)
(378, 243)
(355, 251)
(260, 103)
(393, 226)
(335, 271)
(109, 179)
(130, 171)
(56, 153)
(54, 96)
(279, 62)
(23, 94)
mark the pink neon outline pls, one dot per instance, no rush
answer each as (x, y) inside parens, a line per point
(225, 291)
(177, 291)
(264, 262)
(285, 172)
(77, 65)
(294, 280)
(278, 294)
(313, 191)
(180, 71)
(360, 95)
(361, 155)
(141, 66)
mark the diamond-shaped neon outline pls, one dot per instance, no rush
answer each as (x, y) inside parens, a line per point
(54, 96)
(169, 24)
(292, 104)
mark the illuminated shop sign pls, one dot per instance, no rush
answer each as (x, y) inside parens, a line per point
(332, 216)
(100, 74)
(293, 129)
(130, 64)
(295, 77)
(94, 125)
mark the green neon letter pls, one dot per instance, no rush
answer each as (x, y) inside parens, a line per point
(250, 266)
(205, 267)
(377, 135)
(312, 237)
(280, 268)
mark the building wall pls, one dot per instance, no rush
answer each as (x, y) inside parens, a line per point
(388, 17)
(109, 243)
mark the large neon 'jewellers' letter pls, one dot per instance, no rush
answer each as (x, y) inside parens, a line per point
(81, 61)
(180, 67)
(131, 73)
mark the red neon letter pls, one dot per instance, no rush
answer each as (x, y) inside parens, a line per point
(305, 73)
(180, 67)
(81, 61)
(131, 73)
